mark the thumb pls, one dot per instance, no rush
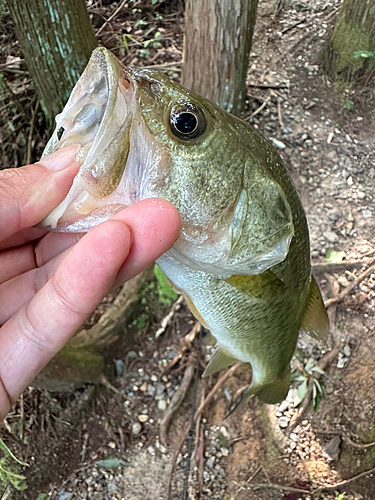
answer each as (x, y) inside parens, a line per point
(30, 193)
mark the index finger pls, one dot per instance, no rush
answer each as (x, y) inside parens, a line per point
(30, 193)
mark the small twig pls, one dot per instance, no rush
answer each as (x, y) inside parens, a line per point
(318, 489)
(279, 114)
(346, 481)
(200, 459)
(287, 52)
(30, 138)
(165, 65)
(16, 100)
(199, 446)
(185, 345)
(22, 416)
(265, 86)
(6, 493)
(174, 460)
(216, 387)
(274, 486)
(10, 64)
(340, 297)
(294, 25)
(111, 17)
(258, 110)
(254, 474)
(369, 76)
(84, 446)
(360, 446)
(191, 430)
(175, 403)
(108, 385)
(279, 7)
(333, 267)
(165, 321)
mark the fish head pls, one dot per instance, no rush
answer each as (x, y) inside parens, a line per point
(142, 135)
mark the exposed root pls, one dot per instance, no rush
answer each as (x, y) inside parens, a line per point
(197, 414)
(340, 297)
(175, 403)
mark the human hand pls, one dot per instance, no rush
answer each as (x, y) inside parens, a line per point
(50, 282)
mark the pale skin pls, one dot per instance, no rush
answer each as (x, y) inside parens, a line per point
(50, 282)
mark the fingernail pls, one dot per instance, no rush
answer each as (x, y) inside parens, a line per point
(60, 159)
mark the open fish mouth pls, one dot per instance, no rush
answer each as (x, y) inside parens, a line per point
(97, 116)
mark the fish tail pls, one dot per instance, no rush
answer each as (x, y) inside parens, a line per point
(271, 393)
(276, 391)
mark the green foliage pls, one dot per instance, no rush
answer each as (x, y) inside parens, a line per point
(42, 496)
(348, 105)
(123, 43)
(154, 42)
(126, 40)
(303, 376)
(9, 469)
(365, 54)
(347, 36)
(9, 474)
(341, 496)
(165, 292)
(7, 452)
(141, 321)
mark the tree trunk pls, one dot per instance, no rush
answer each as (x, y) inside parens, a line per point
(354, 32)
(56, 38)
(85, 356)
(218, 35)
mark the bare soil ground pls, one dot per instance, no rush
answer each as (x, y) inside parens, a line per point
(325, 135)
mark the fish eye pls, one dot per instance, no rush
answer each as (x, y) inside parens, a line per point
(187, 122)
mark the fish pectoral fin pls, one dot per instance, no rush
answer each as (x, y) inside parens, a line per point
(271, 393)
(315, 319)
(220, 359)
(261, 286)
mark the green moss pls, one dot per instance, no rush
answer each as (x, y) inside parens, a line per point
(349, 37)
(356, 461)
(272, 450)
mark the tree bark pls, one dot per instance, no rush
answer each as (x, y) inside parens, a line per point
(84, 357)
(56, 38)
(354, 32)
(217, 43)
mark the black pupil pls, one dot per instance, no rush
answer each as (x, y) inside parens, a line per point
(186, 123)
(60, 132)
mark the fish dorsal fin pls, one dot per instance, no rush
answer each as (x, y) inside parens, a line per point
(315, 319)
(220, 359)
(261, 286)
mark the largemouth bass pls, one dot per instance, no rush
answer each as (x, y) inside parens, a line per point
(242, 260)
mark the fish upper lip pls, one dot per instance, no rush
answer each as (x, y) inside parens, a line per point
(96, 89)
(98, 117)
